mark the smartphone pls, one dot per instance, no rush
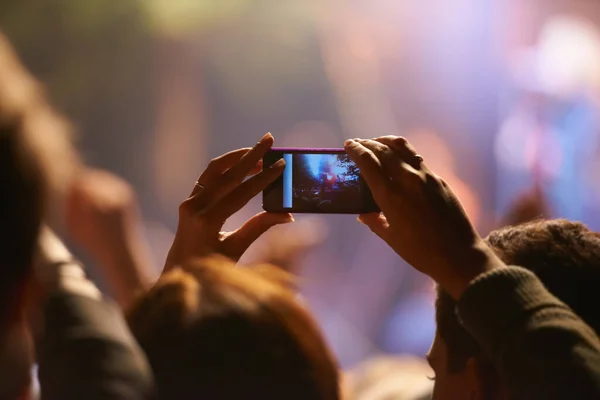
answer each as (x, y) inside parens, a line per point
(318, 181)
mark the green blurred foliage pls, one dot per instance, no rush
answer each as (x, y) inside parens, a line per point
(177, 18)
(89, 51)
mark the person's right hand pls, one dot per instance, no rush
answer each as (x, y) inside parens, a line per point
(103, 217)
(221, 191)
(421, 219)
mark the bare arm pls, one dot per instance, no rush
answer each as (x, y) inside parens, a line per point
(103, 218)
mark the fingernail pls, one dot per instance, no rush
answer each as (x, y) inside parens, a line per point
(286, 220)
(278, 164)
(266, 137)
(350, 142)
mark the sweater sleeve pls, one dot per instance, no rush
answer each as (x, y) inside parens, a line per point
(539, 345)
(87, 352)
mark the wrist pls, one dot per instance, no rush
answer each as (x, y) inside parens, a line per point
(457, 276)
(127, 269)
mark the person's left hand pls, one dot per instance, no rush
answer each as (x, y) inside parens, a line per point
(221, 191)
(102, 211)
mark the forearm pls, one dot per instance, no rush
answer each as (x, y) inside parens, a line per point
(128, 272)
(468, 265)
(127, 266)
(543, 350)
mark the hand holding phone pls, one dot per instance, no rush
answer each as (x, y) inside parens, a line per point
(221, 191)
(323, 181)
(422, 220)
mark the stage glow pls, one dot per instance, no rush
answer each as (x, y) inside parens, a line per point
(314, 162)
(321, 163)
(569, 56)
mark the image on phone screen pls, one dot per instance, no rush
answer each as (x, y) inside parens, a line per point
(317, 181)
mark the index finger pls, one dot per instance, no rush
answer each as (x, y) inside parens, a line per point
(391, 162)
(370, 168)
(217, 166)
(237, 173)
(234, 176)
(403, 148)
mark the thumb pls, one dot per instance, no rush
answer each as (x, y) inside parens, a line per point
(241, 239)
(377, 223)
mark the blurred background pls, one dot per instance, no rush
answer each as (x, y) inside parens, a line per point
(501, 97)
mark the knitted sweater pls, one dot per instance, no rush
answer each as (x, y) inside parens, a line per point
(538, 344)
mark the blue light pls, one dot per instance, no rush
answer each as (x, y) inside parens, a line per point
(287, 181)
(313, 161)
(321, 163)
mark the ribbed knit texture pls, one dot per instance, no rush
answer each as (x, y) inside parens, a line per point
(500, 299)
(540, 347)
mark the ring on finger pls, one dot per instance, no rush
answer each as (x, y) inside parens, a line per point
(200, 186)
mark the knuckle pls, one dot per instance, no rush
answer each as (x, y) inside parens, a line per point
(417, 159)
(442, 182)
(365, 156)
(186, 206)
(379, 148)
(214, 163)
(387, 137)
(401, 141)
(433, 180)
(438, 179)
(415, 178)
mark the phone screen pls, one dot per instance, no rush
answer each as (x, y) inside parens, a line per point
(317, 181)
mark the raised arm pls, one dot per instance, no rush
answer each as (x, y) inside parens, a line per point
(104, 219)
(538, 344)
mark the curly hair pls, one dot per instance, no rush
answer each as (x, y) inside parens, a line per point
(564, 255)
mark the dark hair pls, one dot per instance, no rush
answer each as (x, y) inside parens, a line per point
(37, 163)
(564, 255)
(35, 153)
(214, 331)
(21, 179)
